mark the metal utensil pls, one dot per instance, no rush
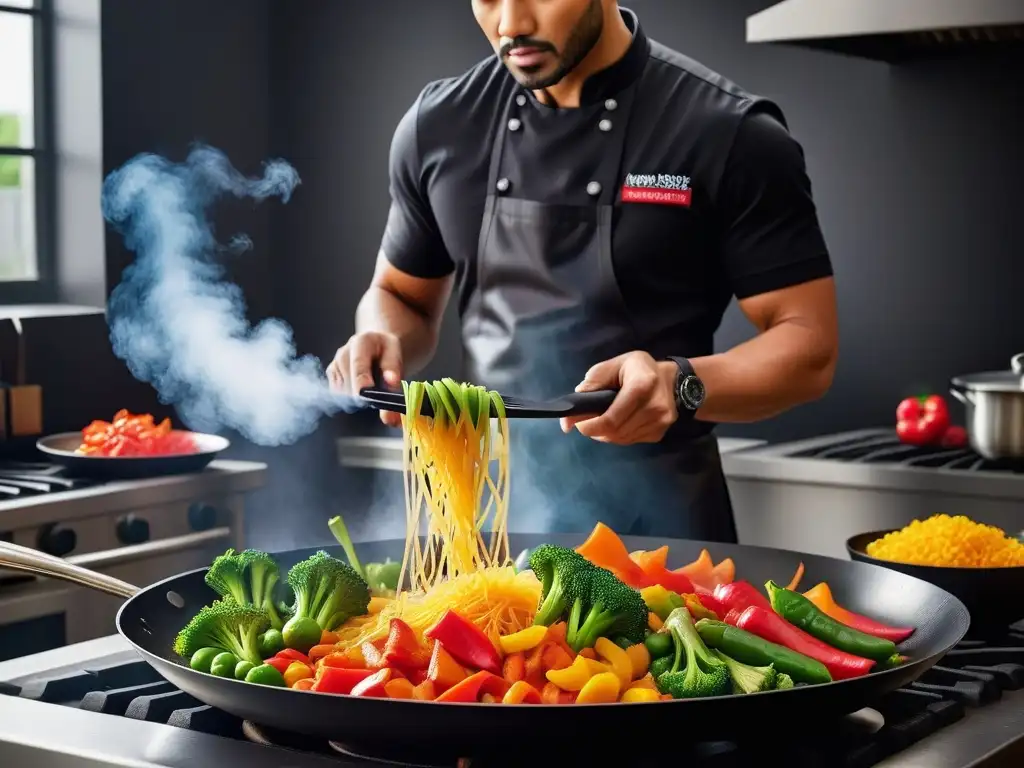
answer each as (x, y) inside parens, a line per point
(575, 404)
(994, 410)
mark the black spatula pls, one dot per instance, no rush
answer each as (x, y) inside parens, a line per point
(575, 404)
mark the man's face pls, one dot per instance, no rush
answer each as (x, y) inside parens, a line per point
(541, 41)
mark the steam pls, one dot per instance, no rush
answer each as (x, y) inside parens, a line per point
(181, 327)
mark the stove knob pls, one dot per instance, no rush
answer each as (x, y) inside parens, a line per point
(201, 517)
(56, 541)
(132, 530)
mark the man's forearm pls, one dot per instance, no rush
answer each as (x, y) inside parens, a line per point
(382, 311)
(785, 366)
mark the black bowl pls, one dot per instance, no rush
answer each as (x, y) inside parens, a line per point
(993, 596)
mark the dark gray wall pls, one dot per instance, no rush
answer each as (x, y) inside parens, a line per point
(915, 170)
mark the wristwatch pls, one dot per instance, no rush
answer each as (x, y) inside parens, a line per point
(688, 388)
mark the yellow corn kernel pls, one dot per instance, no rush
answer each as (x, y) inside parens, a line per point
(640, 657)
(573, 677)
(600, 689)
(654, 623)
(296, 671)
(616, 658)
(523, 640)
(640, 694)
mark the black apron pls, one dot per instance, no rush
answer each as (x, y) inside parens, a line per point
(547, 306)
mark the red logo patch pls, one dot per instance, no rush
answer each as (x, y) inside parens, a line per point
(657, 189)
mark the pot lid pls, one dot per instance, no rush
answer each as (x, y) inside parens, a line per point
(995, 381)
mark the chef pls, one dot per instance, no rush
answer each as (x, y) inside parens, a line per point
(595, 200)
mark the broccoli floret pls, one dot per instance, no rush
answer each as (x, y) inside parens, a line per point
(609, 608)
(783, 681)
(565, 578)
(748, 679)
(248, 578)
(227, 625)
(695, 670)
(327, 590)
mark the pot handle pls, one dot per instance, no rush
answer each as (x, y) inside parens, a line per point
(20, 558)
(1017, 364)
(960, 392)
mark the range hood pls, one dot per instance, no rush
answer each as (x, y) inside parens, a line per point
(890, 30)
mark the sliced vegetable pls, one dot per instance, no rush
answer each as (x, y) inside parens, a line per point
(372, 687)
(474, 686)
(653, 564)
(751, 649)
(740, 595)
(524, 639)
(339, 679)
(465, 642)
(640, 659)
(654, 622)
(443, 670)
(513, 668)
(616, 658)
(278, 663)
(701, 571)
(306, 684)
(661, 601)
(297, 671)
(606, 550)
(774, 628)
(633, 695)
(265, 674)
(402, 649)
(821, 596)
(521, 693)
(425, 691)
(575, 676)
(602, 688)
(223, 664)
(399, 688)
(795, 581)
(802, 613)
(294, 655)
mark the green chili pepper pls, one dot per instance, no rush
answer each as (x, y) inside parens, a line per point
(224, 664)
(659, 644)
(802, 613)
(242, 669)
(265, 674)
(203, 658)
(750, 649)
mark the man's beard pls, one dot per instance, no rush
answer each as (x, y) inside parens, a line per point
(581, 42)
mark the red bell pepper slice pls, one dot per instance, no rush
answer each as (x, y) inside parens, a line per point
(775, 629)
(740, 595)
(466, 642)
(291, 653)
(403, 649)
(279, 663)
(339, 679)
(475, 686)
(373, 657)
(372, 687)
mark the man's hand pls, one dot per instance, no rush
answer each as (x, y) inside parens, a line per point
(644, 408)
(351, 370)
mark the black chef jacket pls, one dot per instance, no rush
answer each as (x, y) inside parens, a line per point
(743, 223)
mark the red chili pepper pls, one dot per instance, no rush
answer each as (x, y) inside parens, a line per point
(278, 663)
(740, 595)
(769, 626)
(733, 616)
(291, 653)
(402, 649)
(922, 420)
(372, 687)
(821, 596)
(339, 679)
(465, 642)
(709, 601)
(475, 686)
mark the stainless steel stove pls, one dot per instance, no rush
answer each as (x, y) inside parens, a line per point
(812, 495)
(140, 531)
(98, 704)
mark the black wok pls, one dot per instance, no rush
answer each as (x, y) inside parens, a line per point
(152, 616)
(61, 449)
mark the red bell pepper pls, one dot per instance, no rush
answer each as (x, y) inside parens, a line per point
(372, 687)
(475, 686)
(709, 601)
(291, 653)
(769, 626)
(339, 679)
(279, 663)
(922, 420)
(740, 595)
(466, 642)
(402, 649)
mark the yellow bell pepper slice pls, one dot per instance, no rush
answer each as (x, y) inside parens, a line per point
(575, 676)
(654, 622)
(640, 694)
(640, 657)
(524, 640)
(616, 658)
(296, 671)
(600, 689)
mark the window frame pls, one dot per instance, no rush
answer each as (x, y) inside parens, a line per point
(43, 152)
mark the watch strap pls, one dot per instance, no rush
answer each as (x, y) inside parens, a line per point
(684, 408)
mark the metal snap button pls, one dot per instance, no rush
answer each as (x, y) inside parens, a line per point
(605, 125)
(503, 185)
(611, 105)
(594, 188)
(521, 100)
(514, 124)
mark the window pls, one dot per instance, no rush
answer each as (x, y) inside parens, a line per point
(26, 148)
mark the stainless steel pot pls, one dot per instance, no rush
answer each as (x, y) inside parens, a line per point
(994, 405)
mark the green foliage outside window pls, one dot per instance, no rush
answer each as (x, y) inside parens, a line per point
(10, 167)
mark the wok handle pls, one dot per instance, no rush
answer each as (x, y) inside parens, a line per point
(18, 558)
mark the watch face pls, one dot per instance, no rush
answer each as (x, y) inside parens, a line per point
(691, 392)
